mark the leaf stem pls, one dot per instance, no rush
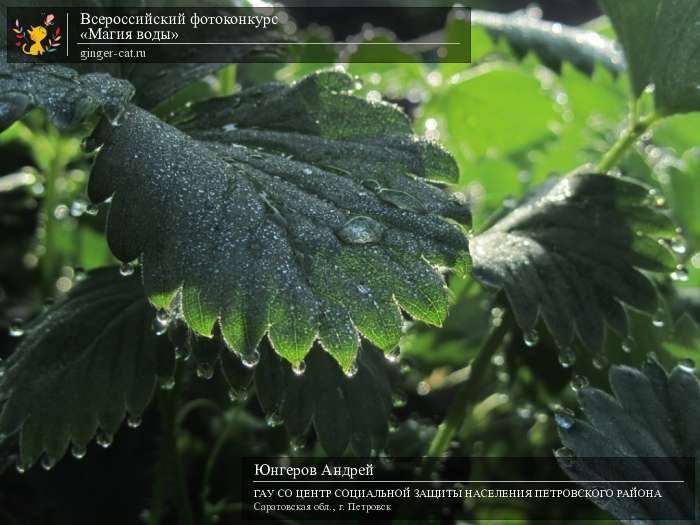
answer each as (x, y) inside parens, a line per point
(637, 128)
(170, 463)
(454, 419)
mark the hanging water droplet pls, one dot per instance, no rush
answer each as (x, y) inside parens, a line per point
(398, 400)
(299, 368)
(104, 438)
(564, 418)
(680, 273)
(79, 274)
(352, 370)
(273, 420)
(655, 199)
(133, 421)
(20, 469)
(167, 383)
(161, 322)
(629, 344)
(658, 320)
(78, 207)
(361, 230)
(78, 451)
(127, 269)
(567, 357)
(393, 355)
(531, 338)
(205, 371)
(47, 462)
(182, 353)
(235, 394)
(678, 245)
(564, 453)
(687, 365)
(15, 329)
(600, 362)
(297, 443)
(250, 359)
(579, 382)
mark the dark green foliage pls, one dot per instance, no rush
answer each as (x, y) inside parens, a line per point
(571, 253)
(302, 210)
(83, 365)
(652, 414)
(343, 410)
(553, 43)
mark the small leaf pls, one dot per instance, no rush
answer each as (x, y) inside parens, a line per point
(571, 254)
(84, 364)
(344, 411)
(67, 97)
(652, 415)
(267, 216)
(553, 43)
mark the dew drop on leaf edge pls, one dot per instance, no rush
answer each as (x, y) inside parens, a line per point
(567, 357)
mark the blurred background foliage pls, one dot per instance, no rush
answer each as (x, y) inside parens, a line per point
(511, 122)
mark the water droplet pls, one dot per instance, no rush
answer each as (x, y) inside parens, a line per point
(361, 230)
(273, 420)
(579, 382)
(16, 329)
(352, 370)
(47, 462)
(564, 418)
(182, 353)
(299, 368)
(655, 199)
(687, 365)
(680, 273)
(600, 362)
(658, 320)
(161, 322)
(235, 394)
(678, 245)
(564, 453)
(297, 443)
(250, 359)
(307, 171)
(78, 207)
(20, 469)
(399, 400)
(531, 338)
(133, 421)
(127, 269)
(78, 451)
(393, 355)
(104, 438)
(205, 371)
(167, 383)
(567, 357)
(629, 344)
(401, 199)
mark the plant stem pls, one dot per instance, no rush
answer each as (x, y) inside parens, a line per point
(170, 463)
(458, 410)
(629, 137)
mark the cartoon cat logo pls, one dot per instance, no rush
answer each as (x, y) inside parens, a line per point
(38, 40)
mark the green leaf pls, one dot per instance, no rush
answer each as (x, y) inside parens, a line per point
(300, 211)
(634, 23)
(344, 411)
(83, 365)
(571, 254)
(484, 107)
(67, 97)
(662, 45)
(552, 42)
(652, 415)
